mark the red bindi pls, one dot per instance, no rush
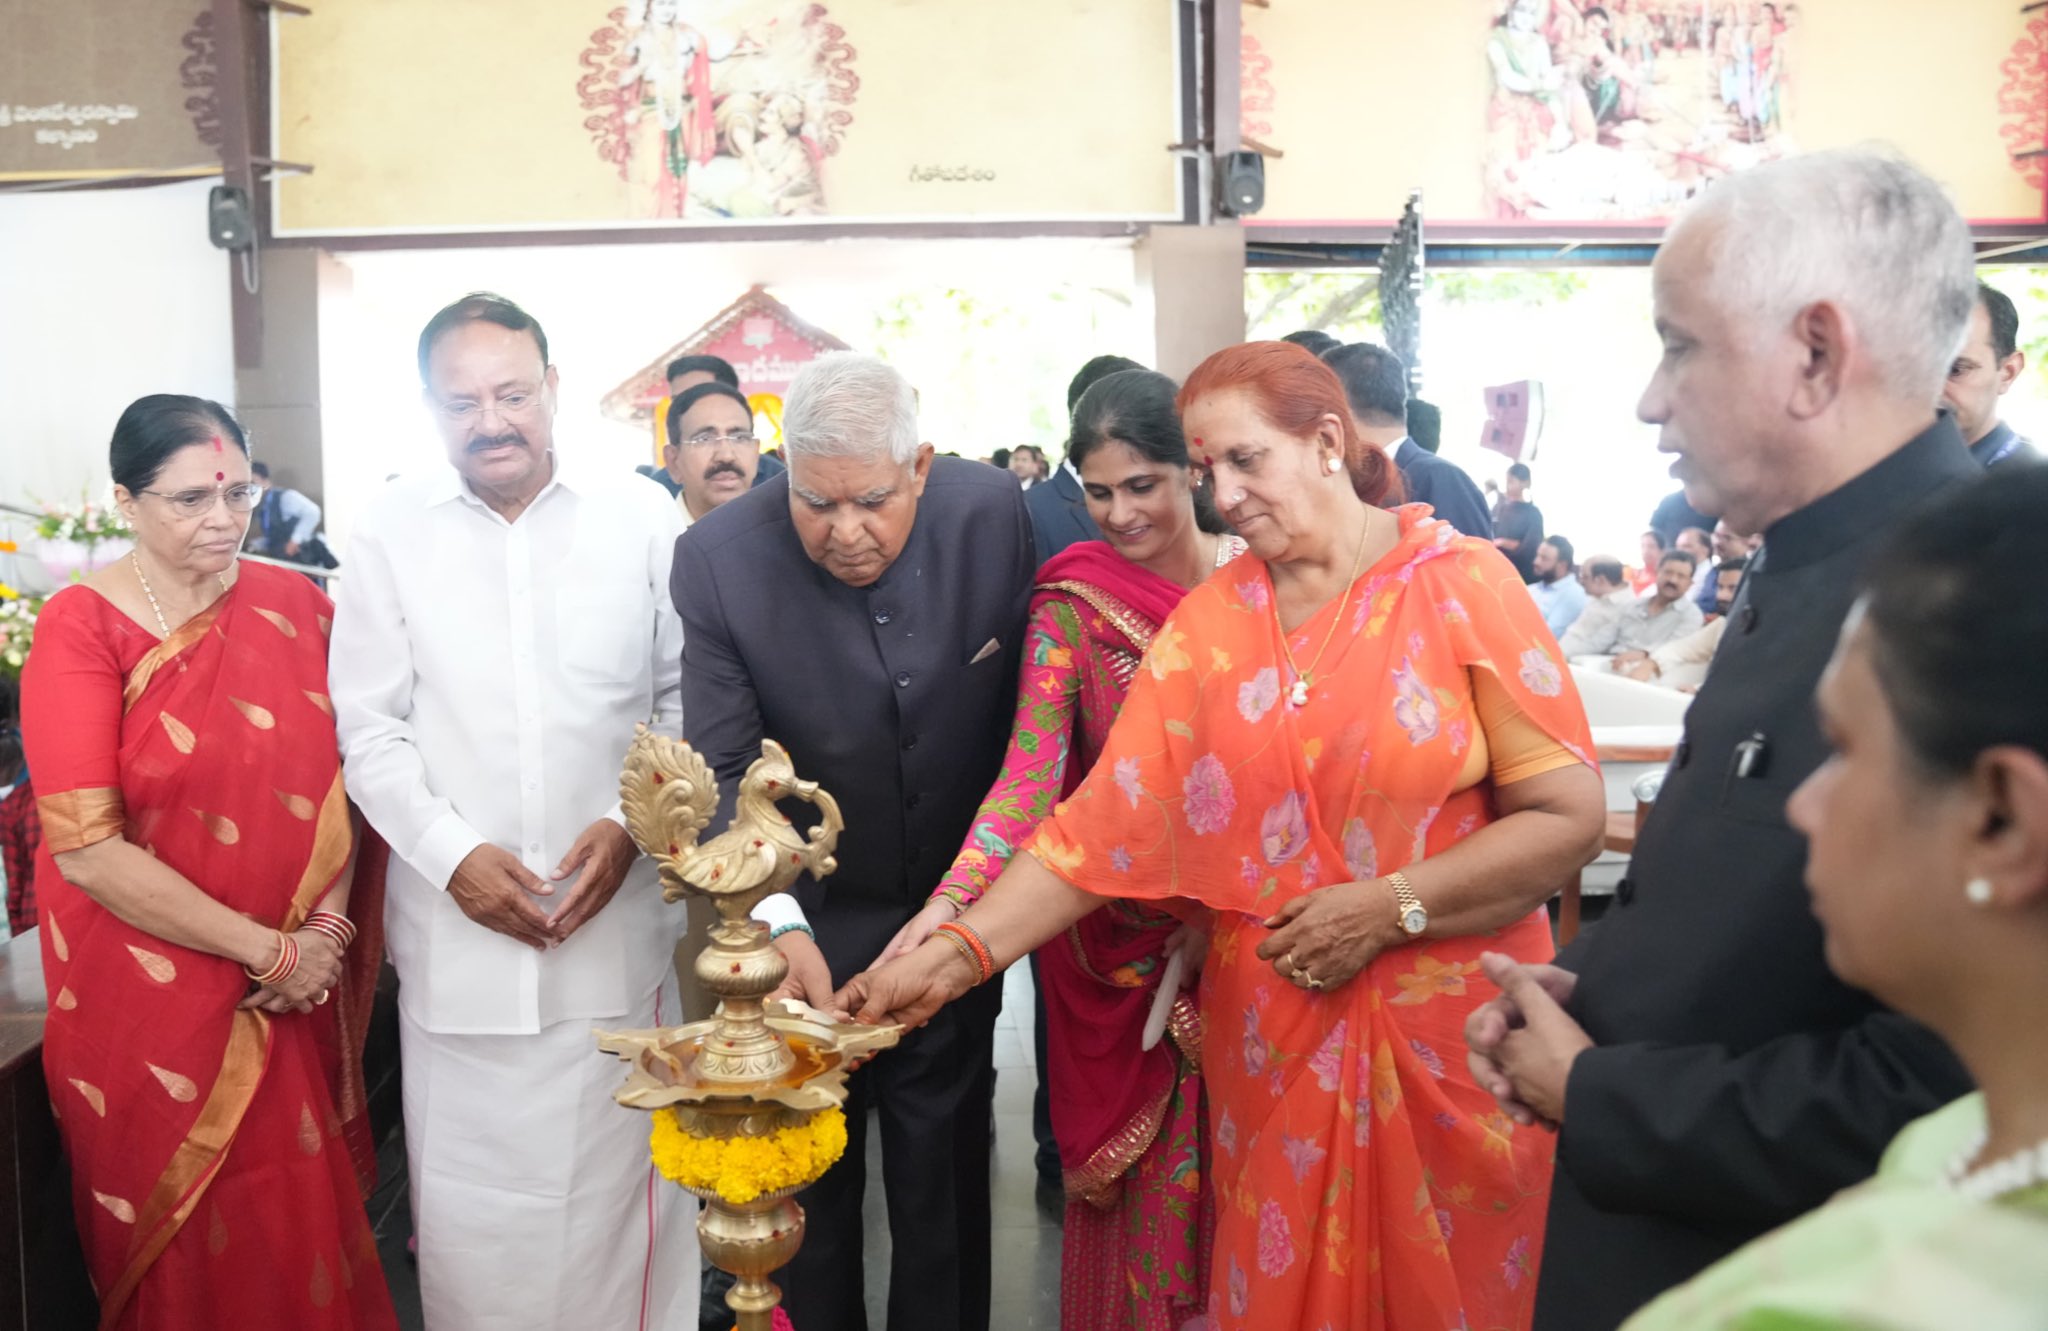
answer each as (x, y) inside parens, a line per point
(220, 476)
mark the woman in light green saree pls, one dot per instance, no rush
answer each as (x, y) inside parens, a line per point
(1929, 873)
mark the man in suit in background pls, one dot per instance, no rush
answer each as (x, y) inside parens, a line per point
(1376, 385)
(867, 610)
(1709, 1076)
(1059, 512)
(1984, 371)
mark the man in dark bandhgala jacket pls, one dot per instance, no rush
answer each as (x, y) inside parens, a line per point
(1710, 1077)
(867, 611)
(1059, 511)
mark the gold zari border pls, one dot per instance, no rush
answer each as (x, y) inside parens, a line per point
(1099, 1181)
(1128, 621)
(161, 655)
(75, 819)
(192, 1167)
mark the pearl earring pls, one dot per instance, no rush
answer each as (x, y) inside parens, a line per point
(1978, 891)
(1334, 465)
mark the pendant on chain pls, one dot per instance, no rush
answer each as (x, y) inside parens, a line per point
(1298, 695)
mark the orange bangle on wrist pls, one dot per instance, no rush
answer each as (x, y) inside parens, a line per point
(965, 938)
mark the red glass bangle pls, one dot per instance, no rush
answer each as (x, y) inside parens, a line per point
(287, 962)
(337, 927)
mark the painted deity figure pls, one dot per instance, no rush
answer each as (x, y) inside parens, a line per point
(667, 86)
(1537, 105)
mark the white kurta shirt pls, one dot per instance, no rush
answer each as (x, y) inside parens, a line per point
(487, 677)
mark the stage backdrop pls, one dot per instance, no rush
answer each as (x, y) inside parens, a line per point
(91, 89)
(1513, 113)
(482, 115)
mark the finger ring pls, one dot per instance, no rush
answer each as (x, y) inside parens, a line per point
(322, 998)
(1292, 969)
(1311, 981)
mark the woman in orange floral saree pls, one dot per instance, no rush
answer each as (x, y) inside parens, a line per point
(191, 798)
(1292, 763)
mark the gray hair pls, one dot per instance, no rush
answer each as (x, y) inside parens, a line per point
(850, 405)
(1862, 229)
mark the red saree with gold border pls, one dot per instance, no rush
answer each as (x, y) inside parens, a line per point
(218, 1156)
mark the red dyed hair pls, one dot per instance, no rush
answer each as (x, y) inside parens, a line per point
(1292, 391)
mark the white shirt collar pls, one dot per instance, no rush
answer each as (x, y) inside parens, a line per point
(449, 485)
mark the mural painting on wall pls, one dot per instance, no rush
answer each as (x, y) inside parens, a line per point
(765, 342)
(1625, 110)
(719, 109)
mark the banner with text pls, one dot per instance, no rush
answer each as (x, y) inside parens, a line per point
(92, 89)
(483, 115)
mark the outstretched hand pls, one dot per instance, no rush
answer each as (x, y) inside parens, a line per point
(908, 991)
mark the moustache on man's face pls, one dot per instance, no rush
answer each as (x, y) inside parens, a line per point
(511, 438)
(724, 469)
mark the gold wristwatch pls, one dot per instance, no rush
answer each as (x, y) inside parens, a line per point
(1414, 919)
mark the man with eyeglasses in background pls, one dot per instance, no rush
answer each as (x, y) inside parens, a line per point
(712, 454)
(503, 626)
(683, 374)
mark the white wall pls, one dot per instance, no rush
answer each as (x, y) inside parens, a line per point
(105, 295)
(610, 309)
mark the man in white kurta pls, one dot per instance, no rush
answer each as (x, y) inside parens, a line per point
(501, 628)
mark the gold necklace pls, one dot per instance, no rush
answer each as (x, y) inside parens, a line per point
(1305, 679)
(143, 578)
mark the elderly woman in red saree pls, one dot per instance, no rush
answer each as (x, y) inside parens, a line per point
(206, 1008)
(1134, 1245)
(1357, 747)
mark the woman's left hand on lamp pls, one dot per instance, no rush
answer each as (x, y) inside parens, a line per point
(1332, 933)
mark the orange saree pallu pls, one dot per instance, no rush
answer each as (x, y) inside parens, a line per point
(218, 1156)
(1362, 1181)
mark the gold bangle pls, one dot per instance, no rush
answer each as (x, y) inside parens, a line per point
(965, 949)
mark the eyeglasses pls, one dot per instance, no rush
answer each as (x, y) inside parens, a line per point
(712, 438)
(462, 411)
(193, 503)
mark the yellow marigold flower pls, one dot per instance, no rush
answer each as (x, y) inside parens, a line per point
(741, 1169)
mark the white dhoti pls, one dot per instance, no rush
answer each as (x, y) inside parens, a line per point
(533, 1198)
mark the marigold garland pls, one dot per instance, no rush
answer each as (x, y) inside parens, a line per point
(743, 1168)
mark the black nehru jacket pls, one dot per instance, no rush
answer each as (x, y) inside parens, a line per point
(897, 698)
(1735, 1082)
(882, 694)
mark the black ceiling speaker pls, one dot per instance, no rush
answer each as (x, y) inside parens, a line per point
(1240, 183)
(228, 223)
